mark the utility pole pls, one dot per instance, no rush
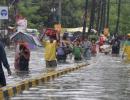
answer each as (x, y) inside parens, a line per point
(85, 19)
(118, 18)
(104, 14)
(53, 14)
(92, 18)
(108, 10)
(15, 9)
(98, 15)
(7, 22)
(101, 20)
(59, 11)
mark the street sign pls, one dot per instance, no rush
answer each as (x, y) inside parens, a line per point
(3, 12)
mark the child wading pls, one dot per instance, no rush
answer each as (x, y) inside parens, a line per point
(77, 51)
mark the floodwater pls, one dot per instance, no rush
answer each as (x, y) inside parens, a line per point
(106, 78)
(36, 66)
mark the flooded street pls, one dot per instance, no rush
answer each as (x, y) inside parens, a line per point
(36, 65)
(106, 78)
(64, 50)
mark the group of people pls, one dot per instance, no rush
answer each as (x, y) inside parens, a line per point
(115, 46)
(21, 61)
(57, 51)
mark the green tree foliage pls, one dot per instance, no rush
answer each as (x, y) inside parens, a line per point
(28, 9)
(113, 17)
(38, 13)
(125, 17)
(124, 25)
(72, 12)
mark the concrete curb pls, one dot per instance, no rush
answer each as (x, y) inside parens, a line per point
(12, 90)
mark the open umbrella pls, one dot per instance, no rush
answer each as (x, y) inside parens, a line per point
(22, 37)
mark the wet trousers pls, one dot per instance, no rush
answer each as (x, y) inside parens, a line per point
(2, 80)
(87, 54)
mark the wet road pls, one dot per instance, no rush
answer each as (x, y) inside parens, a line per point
(36, 66)
(107, 78)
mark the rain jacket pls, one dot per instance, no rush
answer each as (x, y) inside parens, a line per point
(127, 49)
(50, 50)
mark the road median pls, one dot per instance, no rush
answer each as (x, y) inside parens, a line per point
(14, 89)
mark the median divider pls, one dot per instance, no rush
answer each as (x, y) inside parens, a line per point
(14, 89)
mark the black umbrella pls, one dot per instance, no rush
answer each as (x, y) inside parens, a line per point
(22, 37)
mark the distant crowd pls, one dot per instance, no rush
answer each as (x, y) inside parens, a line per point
(59, 50)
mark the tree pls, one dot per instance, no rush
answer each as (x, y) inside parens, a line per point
(38, 13)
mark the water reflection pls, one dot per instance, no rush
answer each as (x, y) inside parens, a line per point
(106, 79)
(49, 70)
(36, 66)
(22, 74)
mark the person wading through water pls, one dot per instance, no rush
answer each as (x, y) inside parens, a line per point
(4, 61)
(50, 52)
